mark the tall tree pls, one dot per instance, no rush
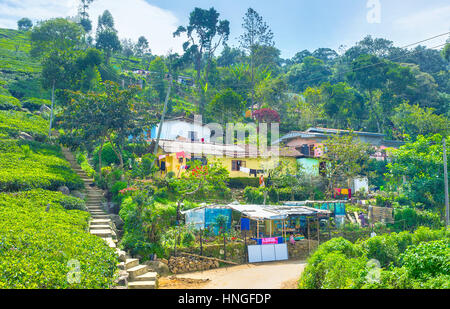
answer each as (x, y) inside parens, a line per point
(24, 24)
(107, 38)
(108, 115)
(85, 22)
(142, 46)
(345, 158)
(205, 34)
(256, 33)
(55, 41)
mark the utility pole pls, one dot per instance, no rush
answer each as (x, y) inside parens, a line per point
(155, 150)
(446, 184)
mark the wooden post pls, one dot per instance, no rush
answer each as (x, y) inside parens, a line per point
(257, 229)
(224, 247)
(318, 231)
(329, 228)
(309, 239)
(245, 247)
(201, 242)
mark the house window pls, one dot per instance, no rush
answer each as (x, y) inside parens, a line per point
(236, 165)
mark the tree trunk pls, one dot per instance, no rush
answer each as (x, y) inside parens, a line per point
(118, 154)
(100, 157)
(51, 113)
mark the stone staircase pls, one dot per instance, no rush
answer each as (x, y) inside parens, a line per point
(137, 276)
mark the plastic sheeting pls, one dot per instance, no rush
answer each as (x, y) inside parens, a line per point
(196, 218)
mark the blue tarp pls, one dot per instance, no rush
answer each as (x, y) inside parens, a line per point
(210, 218)
(245, 224)
(339, 209)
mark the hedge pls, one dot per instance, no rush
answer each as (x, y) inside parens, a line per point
(14, 122)
(9, 103)
(243, 182)
(28, 165)
(34, 104)
(403, 261)
(39, 238)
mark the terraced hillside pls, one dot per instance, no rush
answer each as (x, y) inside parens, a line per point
(19, 73)
(44, 234)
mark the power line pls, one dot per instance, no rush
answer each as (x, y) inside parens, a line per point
(360, 68)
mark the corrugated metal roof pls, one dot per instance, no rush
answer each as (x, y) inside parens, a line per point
(241, 151)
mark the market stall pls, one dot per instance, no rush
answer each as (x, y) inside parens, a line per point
(273, 225)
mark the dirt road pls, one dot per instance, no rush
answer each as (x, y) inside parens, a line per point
(274, 275)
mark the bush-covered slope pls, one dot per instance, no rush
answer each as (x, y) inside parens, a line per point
(39, 248)
(19, 73)
(44, 237)
(396, 261)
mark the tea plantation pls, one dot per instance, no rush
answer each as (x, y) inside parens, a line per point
(44, 242)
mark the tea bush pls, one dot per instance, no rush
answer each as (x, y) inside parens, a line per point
(407, 260)
(9, 103)
(14, 122)
(36, 170)
(34, 104)
(36, 245)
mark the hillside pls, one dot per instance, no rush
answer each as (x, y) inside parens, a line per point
(19, 73)
(41, 229)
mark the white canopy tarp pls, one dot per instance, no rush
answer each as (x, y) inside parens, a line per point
(258, 212)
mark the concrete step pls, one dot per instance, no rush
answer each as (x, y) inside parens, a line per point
(97, 211)
(93, 208)
(130, 263)
(150, 285)
(100, 221)
(109, 239)
(99, 227)
(96, 216)
(150, 276)
(111, 243)
(137, 271)
(102, 233)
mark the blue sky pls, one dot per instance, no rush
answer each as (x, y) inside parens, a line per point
(308, 24)
(297, 24)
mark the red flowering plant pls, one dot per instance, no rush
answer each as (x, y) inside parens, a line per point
(266, 115)
(126, 191)
(200, 182)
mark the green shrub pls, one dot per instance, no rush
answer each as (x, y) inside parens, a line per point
(407, 260)
(9, 103)
(73, 203)
(243, 182)
(188, 239)
(12, 123)
(36, 171)
(427, 259)
(120, 185)
(38, 238)
(253, 195)
(315, 274)
(34, 104)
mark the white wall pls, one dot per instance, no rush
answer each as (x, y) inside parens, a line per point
(172, 129)
(360, 183)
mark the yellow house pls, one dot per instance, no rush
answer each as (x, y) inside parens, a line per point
(239, 160)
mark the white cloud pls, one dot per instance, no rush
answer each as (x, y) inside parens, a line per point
(133, 18)
(422, 25)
